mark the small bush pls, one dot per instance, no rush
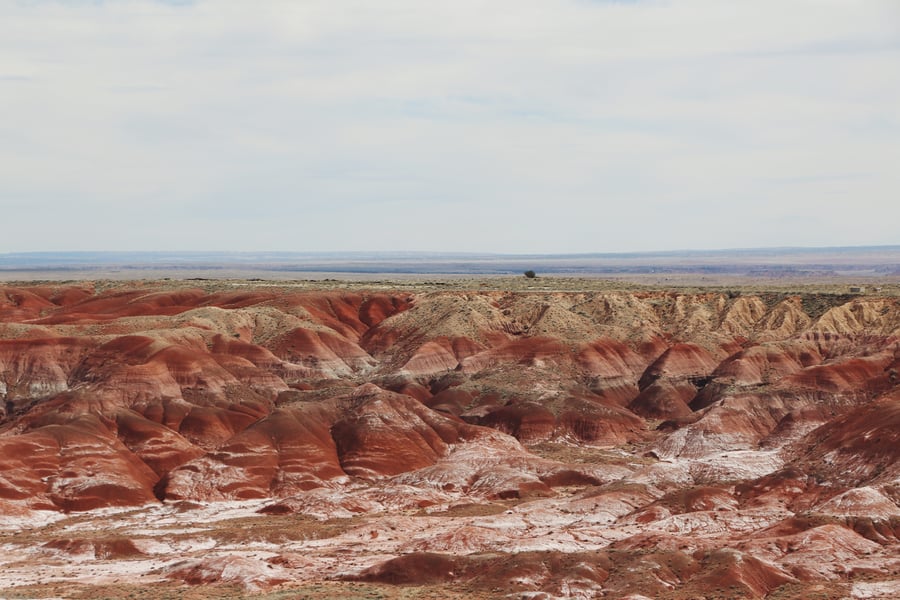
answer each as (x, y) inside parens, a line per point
(530, 274)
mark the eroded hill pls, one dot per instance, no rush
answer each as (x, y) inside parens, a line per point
(491, 443)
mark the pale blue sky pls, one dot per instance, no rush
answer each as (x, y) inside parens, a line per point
(494, 126)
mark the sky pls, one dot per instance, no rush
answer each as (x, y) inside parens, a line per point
(510, 126)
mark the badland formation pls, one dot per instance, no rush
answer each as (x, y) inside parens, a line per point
(162, 440)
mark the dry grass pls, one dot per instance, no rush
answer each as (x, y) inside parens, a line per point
(471, 510)
(278, 529)
(684, 283)
(305, 591)
(630, 455)
(124, 591)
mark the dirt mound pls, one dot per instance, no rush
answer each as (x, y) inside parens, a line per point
(100, 548)
(251, 574)
(528, 572)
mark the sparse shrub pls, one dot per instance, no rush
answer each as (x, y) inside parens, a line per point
(530, 274)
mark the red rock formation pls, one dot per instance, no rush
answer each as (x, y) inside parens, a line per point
(525, 352)
(859, 448)
(452, 401)
(702, 444)
(370, 433)
(431, 357)
(38, 368)
(387, 434)
(664, 399)
(77, 464)
(288, 451)
(322, 352)
(790, 488)
(681, 361)
(864, 374)
(610, 359)
(737, 572)
(767, 363)
(158, 446)
(526, 421)
(593, 420)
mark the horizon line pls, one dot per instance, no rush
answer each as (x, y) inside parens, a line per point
(473, 253)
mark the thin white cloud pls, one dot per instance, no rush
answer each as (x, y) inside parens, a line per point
(494, 125)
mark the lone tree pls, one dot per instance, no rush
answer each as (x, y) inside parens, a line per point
(530, 274)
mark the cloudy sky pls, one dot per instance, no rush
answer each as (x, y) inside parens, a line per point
(511, 126)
